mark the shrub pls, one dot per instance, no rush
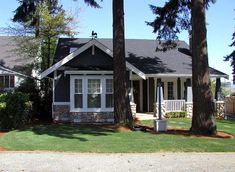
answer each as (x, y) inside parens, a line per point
(29, 86)
(41, 104)
(15, 110)
(175, 114)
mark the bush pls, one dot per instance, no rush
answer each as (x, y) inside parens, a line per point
(175, 114)
(15, 110)
(41, 104)
(29, 86)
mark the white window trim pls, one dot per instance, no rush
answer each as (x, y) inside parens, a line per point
(85, 93)
(165, 81)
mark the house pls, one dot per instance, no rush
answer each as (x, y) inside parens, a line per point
(83, 77)
(10, 79)
(13, 68)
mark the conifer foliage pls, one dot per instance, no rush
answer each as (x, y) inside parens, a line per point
(171, 19)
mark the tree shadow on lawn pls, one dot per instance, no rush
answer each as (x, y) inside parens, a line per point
(69, 131)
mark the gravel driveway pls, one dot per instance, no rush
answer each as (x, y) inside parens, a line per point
(58, 162)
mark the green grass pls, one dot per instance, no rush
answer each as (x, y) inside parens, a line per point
(96, 139)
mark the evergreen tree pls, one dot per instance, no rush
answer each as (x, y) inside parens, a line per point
(26, 11)
(122, 110)
(231, 56)
(171, 19)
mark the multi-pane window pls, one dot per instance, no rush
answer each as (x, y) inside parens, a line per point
(78, 96)
(170, 89)
(7, 81)
(109, 93)
(91, 93)
(94, 93)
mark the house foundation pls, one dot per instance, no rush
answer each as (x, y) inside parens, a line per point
(61, 113)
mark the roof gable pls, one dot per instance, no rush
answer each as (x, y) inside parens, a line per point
(84, 47)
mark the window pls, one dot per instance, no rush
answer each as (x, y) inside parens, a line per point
(91, 93)
(170, 90)
(12, 81)
(7, 81)
(78, 93)
(7, 84)
(71, 50)
(109, 93)
(94, 93)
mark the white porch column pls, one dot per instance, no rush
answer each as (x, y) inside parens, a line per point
(131, 90)
(155, 98)
(189, 94)
(141, 94)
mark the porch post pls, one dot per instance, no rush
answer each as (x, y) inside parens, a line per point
(155, 98)
(218, 89)
(131, 91)
(187, 84)
(53, 93)
(159, 101)
(179, 88)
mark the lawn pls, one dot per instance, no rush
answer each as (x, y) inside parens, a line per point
(97, 139)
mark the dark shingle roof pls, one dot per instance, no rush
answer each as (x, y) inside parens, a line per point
(143, 55)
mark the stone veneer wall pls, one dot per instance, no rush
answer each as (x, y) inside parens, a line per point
(61, 113)
(155, 106)
(133, 109)
(189, 109)
(220, 109)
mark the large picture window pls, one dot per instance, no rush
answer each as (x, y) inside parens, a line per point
(91, 93)
(94, 93)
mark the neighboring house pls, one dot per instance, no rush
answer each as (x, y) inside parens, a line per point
(13, 68)
(83, 77)
(9, 79)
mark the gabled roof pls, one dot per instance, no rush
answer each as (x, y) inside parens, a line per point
(82, 48)
(141, 55)
(9, 71)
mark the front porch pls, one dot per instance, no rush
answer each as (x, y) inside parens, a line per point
(176, 95)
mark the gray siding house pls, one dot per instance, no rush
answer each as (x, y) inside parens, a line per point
(13, 68)
(83, 77)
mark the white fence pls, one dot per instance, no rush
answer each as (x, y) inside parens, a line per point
(174, 105)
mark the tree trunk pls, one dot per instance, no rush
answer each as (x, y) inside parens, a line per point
(122, 110)
(203, 121)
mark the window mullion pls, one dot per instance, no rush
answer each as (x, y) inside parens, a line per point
(103, 92)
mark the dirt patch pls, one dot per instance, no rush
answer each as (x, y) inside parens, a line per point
(119, 128)
(2, 148)
(2, 134)
(185, 132)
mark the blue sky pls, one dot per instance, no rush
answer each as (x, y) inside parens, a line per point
(220, 19)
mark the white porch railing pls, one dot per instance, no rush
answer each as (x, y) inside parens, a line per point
(174, 105)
